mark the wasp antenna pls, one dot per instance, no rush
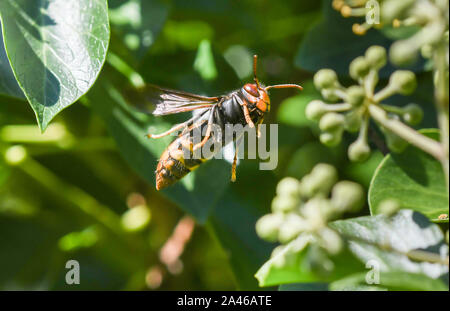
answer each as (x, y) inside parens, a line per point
(255, 61)
(284, 86)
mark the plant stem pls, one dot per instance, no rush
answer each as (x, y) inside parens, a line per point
(422, 142)
(442, 102)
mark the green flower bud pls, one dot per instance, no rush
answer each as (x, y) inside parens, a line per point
(288, 186)
(412, 114)
(267, 227)
(331, 122)
(325, 78)
(330, 240)
(358, 151)
(320, 180)
(292, 226)
(284, 204)
(404, 81)
(356, 95)
(403, 53)
(352, 121)
(427, 51)
(359, 68)
(392, 9)
(376, 56)
(388, 207)
(315, 110)
(331, 139)
(315, 211)
(347, 196)
(330, 95)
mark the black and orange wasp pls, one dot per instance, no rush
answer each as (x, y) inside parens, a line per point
(245, 106)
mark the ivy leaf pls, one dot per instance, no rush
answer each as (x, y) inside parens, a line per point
(413, 178)
(387, 242)
(301, 261)
(8, 83)
(390, 281)
(56, 49)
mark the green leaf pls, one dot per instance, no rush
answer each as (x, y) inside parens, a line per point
(386, 241)
(413, 178)
(56, 49)
(390, 281)
(300, 261)
(332, 44)
(8, 83)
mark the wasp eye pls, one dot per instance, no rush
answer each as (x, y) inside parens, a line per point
(251, 89)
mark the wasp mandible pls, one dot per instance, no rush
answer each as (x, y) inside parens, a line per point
(245, 106)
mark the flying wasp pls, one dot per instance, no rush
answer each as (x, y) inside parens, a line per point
(245, 106)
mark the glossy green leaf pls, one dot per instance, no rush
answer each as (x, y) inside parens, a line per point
(385, 242)
(56, 49)
(8, 83)
(396, 281)
(413, 178)
(300, 261)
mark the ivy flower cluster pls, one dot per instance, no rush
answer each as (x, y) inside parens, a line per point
(351, 108)
(430, 17)
(306, 207)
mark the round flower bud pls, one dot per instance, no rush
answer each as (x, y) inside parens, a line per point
(376, 56)
(388, 207)
(404, 81)
(359, 68)
(325, 78)
(284, 204)
(331, 139)
(330, 95)
(267, 227)
(390, 10)
(356, 95)
(330, 240)
(315, 110)
(320, 180)
(331, 122)
(291, 227)
(347, 196)
(358, 151)
(352, 121)
(288, 186)
(315, 211)
(412, 114)
(403, 53)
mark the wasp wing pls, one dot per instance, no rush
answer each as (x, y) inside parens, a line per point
(166, 101)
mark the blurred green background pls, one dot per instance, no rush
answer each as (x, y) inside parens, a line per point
(85, 189)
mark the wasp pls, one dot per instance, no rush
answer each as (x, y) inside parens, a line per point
(245, 106)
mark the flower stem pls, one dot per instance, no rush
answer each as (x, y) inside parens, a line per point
(428, 145)
(442, 101)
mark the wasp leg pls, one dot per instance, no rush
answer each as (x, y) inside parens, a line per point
(208, 130)
(258, 131)
(173, 129)
(246, 112)
(233, 167)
